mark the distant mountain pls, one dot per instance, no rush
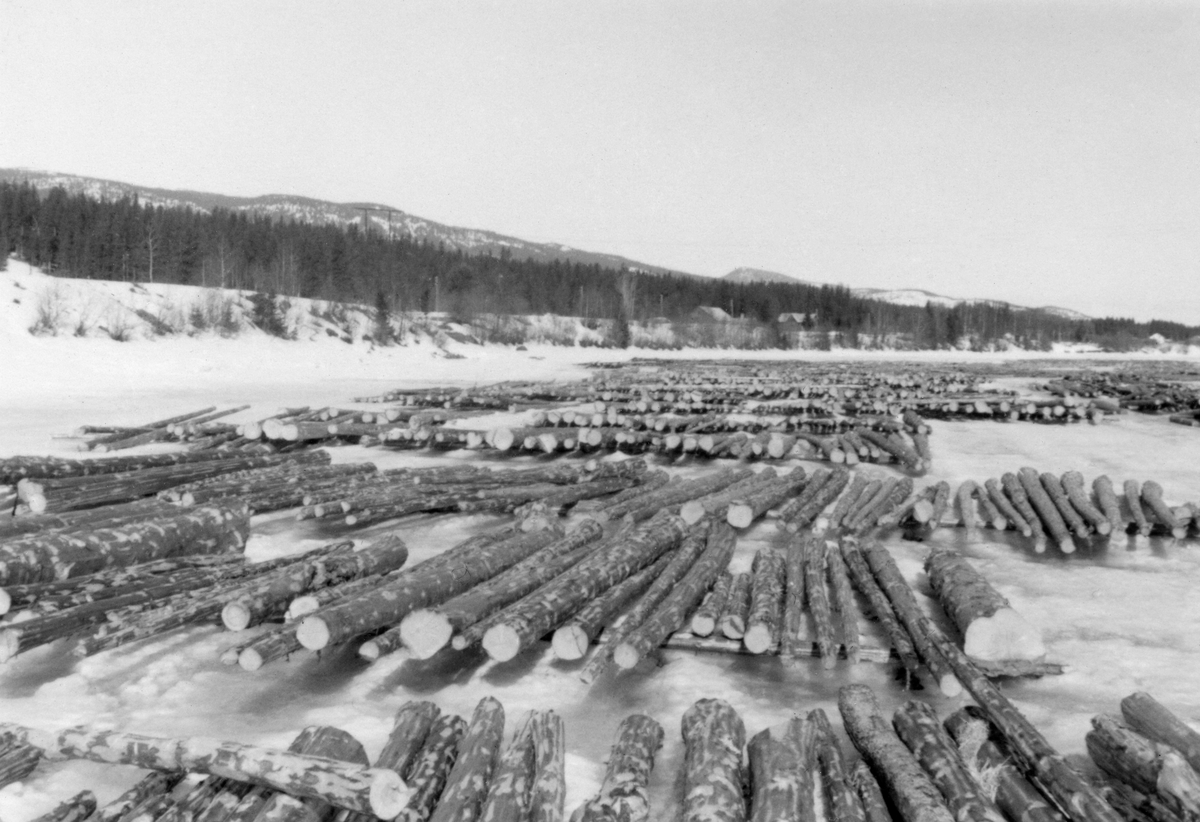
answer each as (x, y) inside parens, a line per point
(896, 296)
(386, 220)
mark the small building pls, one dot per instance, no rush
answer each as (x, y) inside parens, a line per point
(710, 314)
(794, 325)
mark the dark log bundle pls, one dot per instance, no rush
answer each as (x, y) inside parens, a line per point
(779, 774)
(469, 781)
(990, 628)
(704, 620)
(880, 607)
(918, 727)
(14, 469)
(426, 631)
(681, 561)
(1015, 796)
(428, 773)
(671, 612)
(1036, 756)
(1146, 766)
(900, 776)
(430, 582)
(763, 626)
(908, 613)
(732, 622)
(1152, 719)
(624, 793)
(713, 737)
(221, 528)
(539, 612)
(354, 787)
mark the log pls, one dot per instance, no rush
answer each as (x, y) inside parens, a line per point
(804, 516)
(624, 793)
(990, 628)
(690, 550)
(75, 809)
(671, 612)
(154, 785)
(818, 600)
(1072, 484)
(819, 477)
(428, 775)
(704, 620)
(877, 499)
(897, 491)
(766, 603)
(549, 789)
(881, 607)
(874, 806)
(941, 502)
(737, 607)
(677, 493)
(1006, 508)
(317, 741)
(411, 726)
(1145, 765)
(779, 775)
(218, 529)
(1133, 499)
(1020, 500)
(746, 508)
(894, 445)
(793, 599)
(430, 582)
(991, 514)
(1047, 511)
(1036, 756)
(908, 613)
(1152, 498)
(1058, 495)
(918, 727)
(1106, 496)
(533, 616)
(426, 631)
(843, 600)
(469, 781)
(859, 487)
(356, 788)
(716, 505)
(508, 794)
(713, 737)
(1015, 797)
(843, 802)
(900, 776)
(1152, 719)
(17, 762)
(965, 497)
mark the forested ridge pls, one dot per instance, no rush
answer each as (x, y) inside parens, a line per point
(73, 235)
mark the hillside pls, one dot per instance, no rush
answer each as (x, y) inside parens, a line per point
(385, 220)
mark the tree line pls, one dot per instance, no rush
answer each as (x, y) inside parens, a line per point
(74, 235)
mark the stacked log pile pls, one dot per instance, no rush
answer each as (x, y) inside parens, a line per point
(1136, 392)
(1065, 510)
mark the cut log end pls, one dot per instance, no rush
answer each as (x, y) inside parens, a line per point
(388, 794)
(369, 650)
(692, 512)
(302, 606)
(5, 602)
(758, 639)
(10, 642)
(703, 624)
(570, 642)
(313, 633)
(626, 656)
(236, 616)
(740, 515)
(1003, 635)
(425, 633)
(949, 685)
(250, 660)
(501, 642)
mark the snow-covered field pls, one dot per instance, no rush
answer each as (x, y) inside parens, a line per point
(1121, 617)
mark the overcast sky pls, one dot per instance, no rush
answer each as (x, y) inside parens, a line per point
(1045, 153)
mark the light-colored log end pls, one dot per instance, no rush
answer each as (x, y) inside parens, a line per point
(703, 625)
(733, 627)
(369, 650)
(949, 685)
(5, 601)
(758, 638)
(501, 643)
(301, 606)
(740, 515)
(313, 633)
(425, 632)
(692, 512)
(1003, 635)
(236, 616)
(626, 656)
(250, 660)
(388, 794)
(570, 642)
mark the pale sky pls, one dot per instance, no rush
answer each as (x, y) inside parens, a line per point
(1041, 152)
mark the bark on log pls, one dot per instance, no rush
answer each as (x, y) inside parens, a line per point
(716, 505)
(1047, 511)
(793, 598)
(1152, 719)
(804, 514)
(744, 510)
(1015, 796)
(874, 805)
(990, 628)
(467, 786)
(908, 612)
(624, 794)
(732, 622)
(682, 560)
(899, 774)
(843, 802)
(991, 514)
(17, 762)
(430, 582)
(75, 809)
(918, 727)
(1145, 765)
(965, 497)
(428, 775)
(881, 507)
(1106, 496)
(1072, 483)
(1133, 500)
(819, 477)
(818, 600)
(1054, 489)
(1020, 500)
(549, 789)
(680, 492)
(713, 737)
(766, 603)
(1061, 782)
(508, 797)
(941, 502)
(859, 486)
(426, 631)
(881, 607)
(862, 510)
(780, 778)
(1152, 498)
(704, 621)
(532, 617)
(1007, 508)
(369, 790)
(155, 784)
(672, 611)
(843, 600)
